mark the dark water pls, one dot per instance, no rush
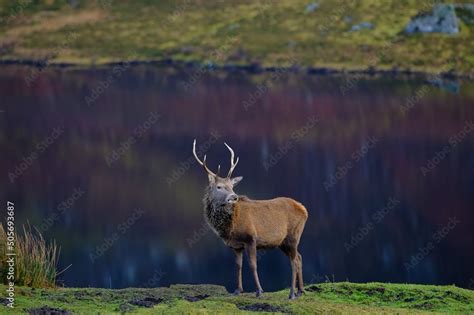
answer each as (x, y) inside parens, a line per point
(383, 181)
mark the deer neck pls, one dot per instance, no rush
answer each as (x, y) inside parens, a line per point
(218, 216)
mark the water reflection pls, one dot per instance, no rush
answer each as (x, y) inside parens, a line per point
(155, 173)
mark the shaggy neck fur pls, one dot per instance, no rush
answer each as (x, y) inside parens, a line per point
(218, 215)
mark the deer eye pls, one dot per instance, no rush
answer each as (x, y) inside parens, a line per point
(219, 187)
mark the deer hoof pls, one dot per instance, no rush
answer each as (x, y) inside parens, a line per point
(292, 295)
(299, 293)
(238, 291)
(259, 293)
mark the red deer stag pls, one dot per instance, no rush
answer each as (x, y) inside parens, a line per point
(248, 224)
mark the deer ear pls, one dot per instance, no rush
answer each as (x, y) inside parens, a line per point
(236, 180)
(212, 178)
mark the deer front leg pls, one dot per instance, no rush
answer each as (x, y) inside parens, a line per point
(252, 253)
(300, 275)
(239, 254)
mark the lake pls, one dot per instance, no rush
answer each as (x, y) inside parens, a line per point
(100, 160)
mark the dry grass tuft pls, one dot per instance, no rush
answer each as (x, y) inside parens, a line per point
(35, 260)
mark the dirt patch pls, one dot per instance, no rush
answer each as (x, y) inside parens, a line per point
(80, 295)
(185, 290)
(146, 302)
(46, 310)
(124, 308)
(456, 297)
(262, 307)
(380, 290)
(51, 21)
(314, 288)
(6, 47)
(424, 305)
(196, 297)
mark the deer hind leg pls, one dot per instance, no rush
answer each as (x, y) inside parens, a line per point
(238, 262)
(252, 254)
(300, 274)
(299, 231)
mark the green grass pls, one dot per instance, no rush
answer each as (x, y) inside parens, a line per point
(267, 33)
(35, 259)
(340, 298)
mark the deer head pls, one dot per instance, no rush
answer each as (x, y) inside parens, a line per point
(221, 189)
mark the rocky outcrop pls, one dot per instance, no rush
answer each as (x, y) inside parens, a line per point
(442, 19)
(361, 26)
(311, 7)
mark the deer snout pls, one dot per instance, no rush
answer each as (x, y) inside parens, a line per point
(232, 198)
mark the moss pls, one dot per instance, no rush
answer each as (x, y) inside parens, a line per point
(344, 297)
(267, 33)
(439, 298)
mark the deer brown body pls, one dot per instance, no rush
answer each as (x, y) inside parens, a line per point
(246, 224)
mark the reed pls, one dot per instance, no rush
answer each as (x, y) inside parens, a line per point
(35, 261)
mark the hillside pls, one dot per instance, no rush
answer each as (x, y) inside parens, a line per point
(317, 36)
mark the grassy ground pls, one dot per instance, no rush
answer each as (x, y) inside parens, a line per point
(344, 297)
(266, 33)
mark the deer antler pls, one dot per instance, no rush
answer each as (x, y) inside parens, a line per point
(232, 163)
(203, 162)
